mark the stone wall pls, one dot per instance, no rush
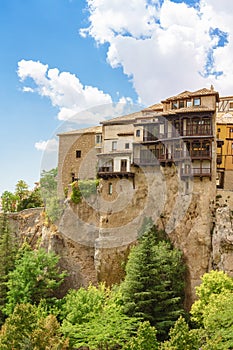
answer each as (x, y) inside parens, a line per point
(83, 167)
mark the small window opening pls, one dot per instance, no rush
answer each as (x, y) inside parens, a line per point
(110, 188)
(114, 145)
(78, 154)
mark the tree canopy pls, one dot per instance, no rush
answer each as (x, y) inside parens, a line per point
(153, 289)
(35, 277)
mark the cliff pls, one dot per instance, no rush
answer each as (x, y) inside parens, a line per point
(93, 240)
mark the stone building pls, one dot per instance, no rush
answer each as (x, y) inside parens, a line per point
(180, 131)
(77, 155)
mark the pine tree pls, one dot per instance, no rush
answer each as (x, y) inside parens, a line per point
(154, 283)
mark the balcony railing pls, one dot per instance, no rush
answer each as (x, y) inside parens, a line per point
(197, 132)
(199, 172)
(105, 169)
(149, 158)
(107, 172)
(200, 154)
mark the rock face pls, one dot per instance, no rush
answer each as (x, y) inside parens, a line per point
(222, 240)
(94, 241)
(30, 226)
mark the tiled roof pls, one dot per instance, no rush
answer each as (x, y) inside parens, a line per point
(156, 107)
(124, 118)
(192, 109)
(91, 130)
(189, 94)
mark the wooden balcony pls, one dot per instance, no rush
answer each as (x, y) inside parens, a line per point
(200, 154)
(108, 172)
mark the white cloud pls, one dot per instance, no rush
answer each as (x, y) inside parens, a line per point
(166, 47)
(63, 88)
(47, 146)
(135, 17)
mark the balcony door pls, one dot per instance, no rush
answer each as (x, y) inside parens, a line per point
(123, 165)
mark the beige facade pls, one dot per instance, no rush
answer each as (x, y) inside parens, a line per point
(116, 156)
(180, 131)
(78, 155)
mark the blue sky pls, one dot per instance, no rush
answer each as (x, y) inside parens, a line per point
(61, 57)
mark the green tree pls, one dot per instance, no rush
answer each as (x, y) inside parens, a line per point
(48, 186)
(33, 200)
(145, 338)
(35, 277)
(48, 183)
(28, 329)
(218, 321)
(181, 338)
(154, 284)
(213, 283)
(8, 250)
(21, 190)
(93, 317)
(9, 202)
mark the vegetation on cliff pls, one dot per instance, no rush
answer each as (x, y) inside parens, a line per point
(144, 313)
(21, 199)
(154, 284)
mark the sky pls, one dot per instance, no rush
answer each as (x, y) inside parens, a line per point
(61, 60)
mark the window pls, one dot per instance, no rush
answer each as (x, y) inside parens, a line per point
(231, 129)
(174, 105)
(231, 105)
(219, 130)
(196, 101)
(78, 154)
(127, 145)
(114, 145)
(110, 188)
(123, 165)
(189, 103)
(138, 133)
(181, 104)
(98, 138)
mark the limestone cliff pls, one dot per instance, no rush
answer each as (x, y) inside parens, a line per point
(222, 239)
(94, 243)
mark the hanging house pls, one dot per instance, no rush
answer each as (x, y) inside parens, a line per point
(181, 132)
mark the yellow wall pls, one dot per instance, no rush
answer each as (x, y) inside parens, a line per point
(225, 133)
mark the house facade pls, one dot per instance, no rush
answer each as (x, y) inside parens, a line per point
(224, 133)
(77, 156)
(182, 133)
(180, 130)
(116, 157)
